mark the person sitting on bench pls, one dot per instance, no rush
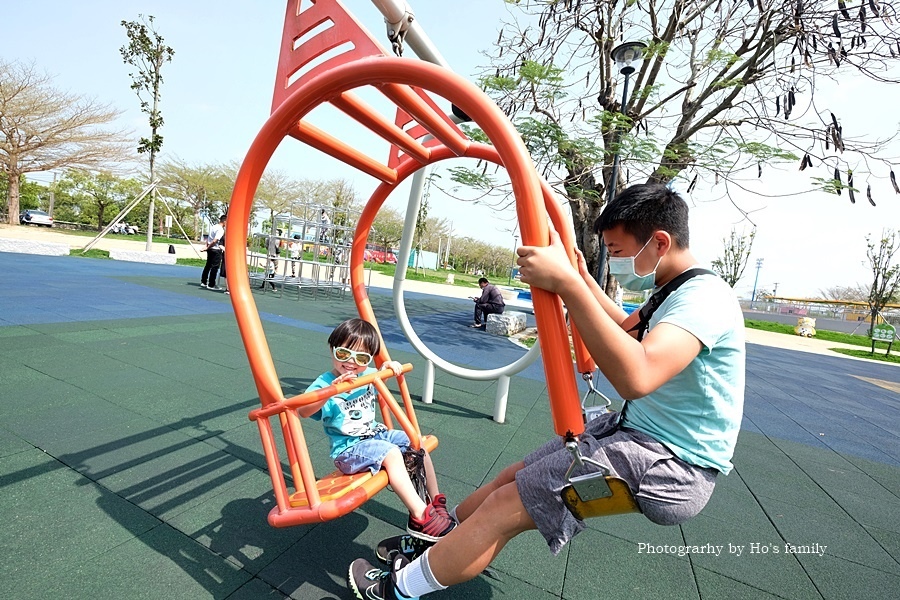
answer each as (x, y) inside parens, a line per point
(489, 303)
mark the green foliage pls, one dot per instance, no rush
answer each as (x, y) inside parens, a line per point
(536, 73)
(146, 51)
(92, 253)
(498, 84)
(736, 253)
(31, 194)
(764, 152)
(473, 178)
(830, 185)
(475, 133)
(890, 358)
(821, 334)
(191, 262)
(656, 48)
(94, 198)
(722, 84)
(642, 148)
(722, 57)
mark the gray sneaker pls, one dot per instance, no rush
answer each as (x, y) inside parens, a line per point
(401, 545)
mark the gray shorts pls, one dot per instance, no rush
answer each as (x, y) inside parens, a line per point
(668, 490)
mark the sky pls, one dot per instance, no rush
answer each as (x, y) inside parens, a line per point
(217, 95)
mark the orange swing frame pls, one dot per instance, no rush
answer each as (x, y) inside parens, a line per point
(408, 84)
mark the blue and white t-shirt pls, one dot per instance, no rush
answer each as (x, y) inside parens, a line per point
(697, 414)
(347, 417)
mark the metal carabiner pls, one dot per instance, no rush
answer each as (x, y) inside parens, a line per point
(592, 412)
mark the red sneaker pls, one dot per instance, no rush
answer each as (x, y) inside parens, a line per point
(439, 503)
(432, 527)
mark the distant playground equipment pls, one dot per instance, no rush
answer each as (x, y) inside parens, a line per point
(296, 235)
(327, 58)
(806, 327)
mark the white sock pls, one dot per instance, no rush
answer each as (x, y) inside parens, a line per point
(453, 514)
(416, 578)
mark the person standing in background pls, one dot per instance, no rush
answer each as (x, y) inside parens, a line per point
(214, 252)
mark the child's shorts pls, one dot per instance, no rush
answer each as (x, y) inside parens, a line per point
(370, 452)
(668, 489)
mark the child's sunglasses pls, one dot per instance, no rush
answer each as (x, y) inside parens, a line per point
(342, 354)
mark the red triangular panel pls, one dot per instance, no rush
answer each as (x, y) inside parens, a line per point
(303, 16)
(417, 132)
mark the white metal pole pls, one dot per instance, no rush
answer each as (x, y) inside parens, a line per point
(428, 387)
(502, 397)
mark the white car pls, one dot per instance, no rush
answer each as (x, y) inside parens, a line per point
(35, 217)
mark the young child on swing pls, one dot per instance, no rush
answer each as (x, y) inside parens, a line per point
(359, 442)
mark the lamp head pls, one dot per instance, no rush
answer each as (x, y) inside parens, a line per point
(628, 56)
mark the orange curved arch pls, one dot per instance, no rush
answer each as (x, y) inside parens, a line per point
(389, 75)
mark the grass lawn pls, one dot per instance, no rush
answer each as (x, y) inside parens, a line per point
(833, 336)
(459, 279)
(157, 239)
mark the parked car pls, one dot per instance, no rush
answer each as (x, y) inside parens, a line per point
(35, 217)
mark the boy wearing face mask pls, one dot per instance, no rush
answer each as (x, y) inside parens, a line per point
(683, 383)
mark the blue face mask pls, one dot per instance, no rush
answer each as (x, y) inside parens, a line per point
(622, 268)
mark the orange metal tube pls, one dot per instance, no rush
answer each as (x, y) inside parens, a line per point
(408, 100)
(583, 361)
(564, 398)
(407, 403)
(413, 434)
(320, 394)
(303, 462)
(374, 120)
(330, 145)
(275, 473)
(508, 147)
(290, 447)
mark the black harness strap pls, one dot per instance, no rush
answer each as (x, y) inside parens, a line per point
(659, 297)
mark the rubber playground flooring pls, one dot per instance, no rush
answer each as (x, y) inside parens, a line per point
(129, 469)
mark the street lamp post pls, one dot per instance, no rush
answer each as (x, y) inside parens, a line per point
(628, 57)
(759, 263)
(513, 265)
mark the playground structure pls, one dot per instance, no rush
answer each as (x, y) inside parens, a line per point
(327, 58)
(312, 253)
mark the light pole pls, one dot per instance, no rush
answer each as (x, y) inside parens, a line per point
(628, 57)
(513, 265)
(759, 263)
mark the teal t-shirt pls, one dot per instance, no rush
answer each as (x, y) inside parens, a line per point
(697, 414)
(347, 417)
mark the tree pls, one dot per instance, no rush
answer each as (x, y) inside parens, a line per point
(44, 128)
(736, 253)
(421, 224)
(855, 293)
(205, 188)
(341, 197)
(276, 193)
(146, 51)
(387, 229)
(725, 89)
(100, 196)
(885, 275)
